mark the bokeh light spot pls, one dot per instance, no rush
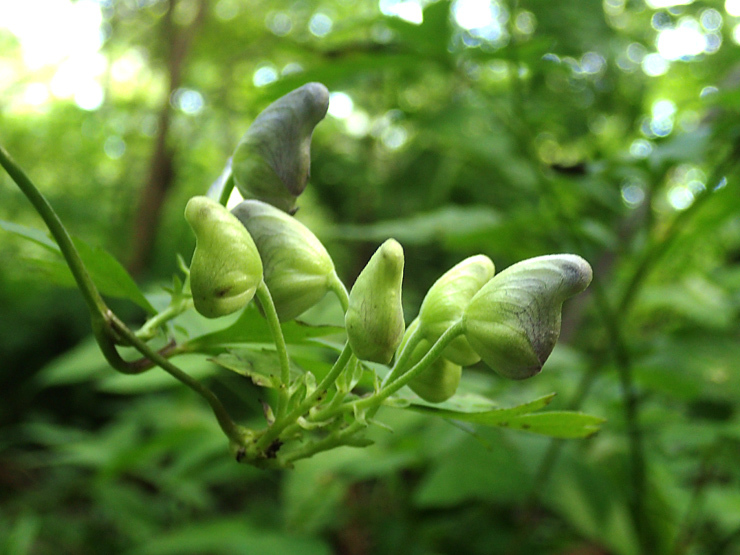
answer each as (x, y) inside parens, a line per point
(114, 147)
(408, 10)
(264, 75)
(654, 65)
(340, 105)
(320, 24)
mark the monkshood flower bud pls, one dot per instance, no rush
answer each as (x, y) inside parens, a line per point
(513, 322)
(298, 270)
(272, 161)
(446, 300)
(226, 268)
(440, 380)
(374, 319)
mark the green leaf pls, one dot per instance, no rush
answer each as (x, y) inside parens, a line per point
(559, 424)
(82, 363)
(250, 327)
(471, 404)
(156, 379)
(228, 536)
(262, 366)
(32, 234)
(106, 272)
(443, 224)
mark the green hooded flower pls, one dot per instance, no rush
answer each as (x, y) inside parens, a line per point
(513, 322)
(226, 268)
(298, 269)
(446, 300)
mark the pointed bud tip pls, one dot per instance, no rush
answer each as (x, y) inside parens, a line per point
(391, 252)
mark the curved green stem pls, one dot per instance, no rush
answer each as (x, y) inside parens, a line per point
(106, 326)
(263, 294)
(149, 329)
(85, 283)
(400, 365)
(226, 191)
(331, 441)
(339, 289)
(289, 421)
(433, 354)
(374, 401)
(227, 424)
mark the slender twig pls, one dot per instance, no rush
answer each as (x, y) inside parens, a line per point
(107, 328)
(81, 276)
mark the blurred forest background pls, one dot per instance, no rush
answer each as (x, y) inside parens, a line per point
(513, 128)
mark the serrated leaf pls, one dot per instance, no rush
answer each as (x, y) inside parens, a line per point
(106, 272)
(261, 366)
(559, 424)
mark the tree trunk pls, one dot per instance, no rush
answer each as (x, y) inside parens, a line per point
(161, 174)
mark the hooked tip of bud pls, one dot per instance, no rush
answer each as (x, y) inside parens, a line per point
(272, 161)
(316, 96)
(513, 322)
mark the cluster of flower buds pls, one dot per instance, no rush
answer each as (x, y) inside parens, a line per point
(511, 320)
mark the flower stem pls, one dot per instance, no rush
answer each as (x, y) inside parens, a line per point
(338, 288)
(263, 294)
(85, 283)
(290, 421)
(149, 329)
(226, 191)
(403, 357)
(106, 326)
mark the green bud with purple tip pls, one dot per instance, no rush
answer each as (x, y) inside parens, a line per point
(513, 322)
(298, 269)
(272, 162)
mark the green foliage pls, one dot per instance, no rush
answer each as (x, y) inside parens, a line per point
(549, 137)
